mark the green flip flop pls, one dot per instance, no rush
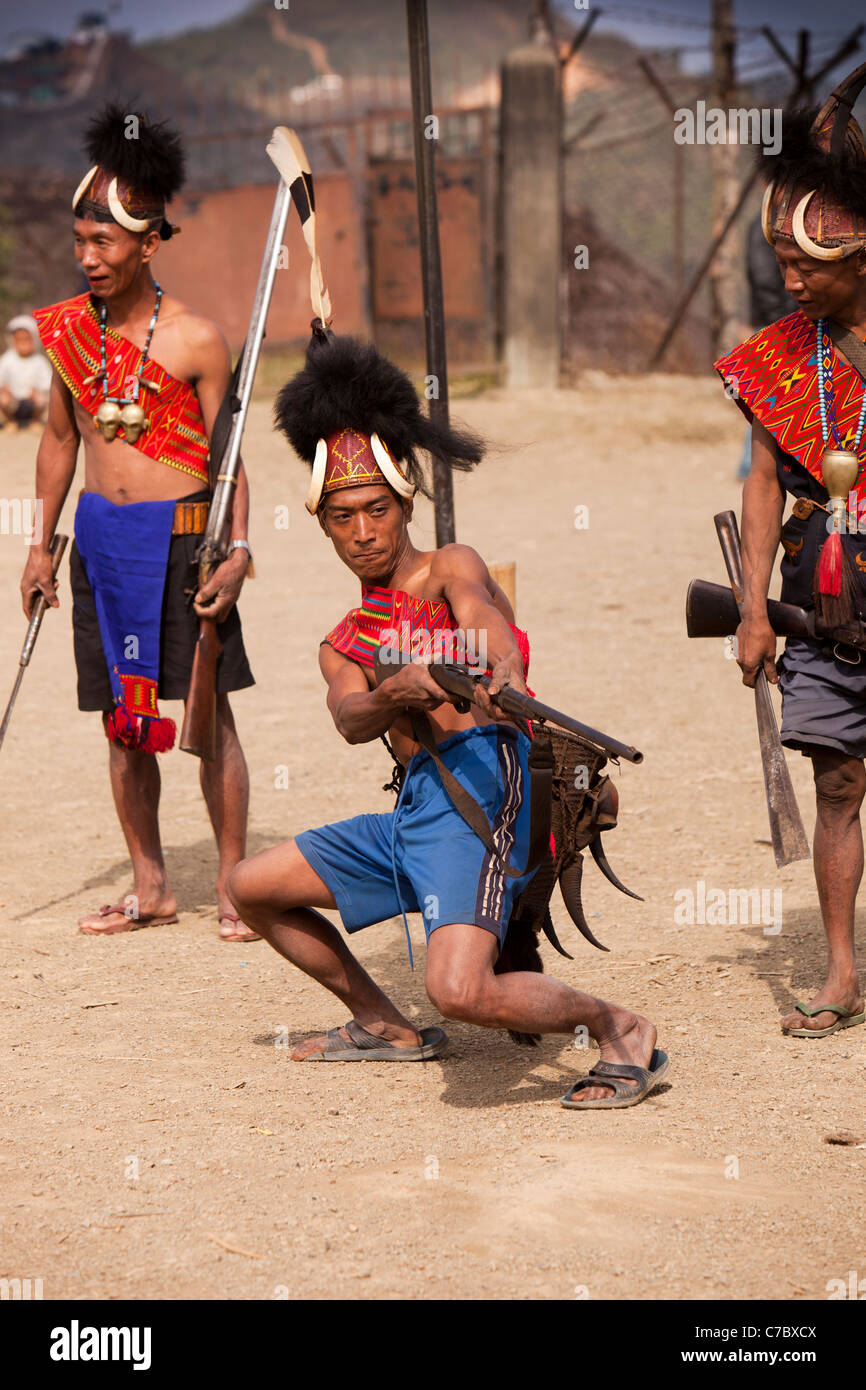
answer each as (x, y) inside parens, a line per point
(845, 1020)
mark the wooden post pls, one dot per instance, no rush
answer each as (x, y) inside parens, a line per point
(531, 211)
(505, 575)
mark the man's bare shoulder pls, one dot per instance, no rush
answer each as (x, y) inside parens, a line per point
(456, 561)
(198, 331)
(336, 665)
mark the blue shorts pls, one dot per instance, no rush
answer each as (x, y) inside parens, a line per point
(422, 856)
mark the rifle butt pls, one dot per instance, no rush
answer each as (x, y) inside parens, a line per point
(198, 734)
(711, 611)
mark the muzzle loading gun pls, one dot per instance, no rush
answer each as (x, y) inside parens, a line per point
(708, 607)
(571, 803)
(462, 682)
(37, 613)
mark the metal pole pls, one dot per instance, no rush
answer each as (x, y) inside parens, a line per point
(431, 258)
(223, 495)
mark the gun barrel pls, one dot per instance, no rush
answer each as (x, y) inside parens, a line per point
(459, 682)
(57, 548)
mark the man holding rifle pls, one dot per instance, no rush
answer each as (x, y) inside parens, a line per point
(355, 418)
(139, 379)
(802, 382)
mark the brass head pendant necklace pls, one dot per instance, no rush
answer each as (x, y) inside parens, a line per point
(124, 410)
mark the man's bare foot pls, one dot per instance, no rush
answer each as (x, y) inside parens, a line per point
(633, 1044)
(233, 929)
(846, 995)
(398, 1035)
(130, 915)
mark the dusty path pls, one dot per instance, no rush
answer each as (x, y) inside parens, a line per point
(151, 1114)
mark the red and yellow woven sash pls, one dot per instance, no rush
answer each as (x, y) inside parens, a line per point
(175, 434)
(775, 374)
(392, 611)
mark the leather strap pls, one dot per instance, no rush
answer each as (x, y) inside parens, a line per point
(541, 764)
(853, 348)
(190, 518)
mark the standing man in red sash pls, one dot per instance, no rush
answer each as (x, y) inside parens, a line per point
(807, 404)
(138, 380)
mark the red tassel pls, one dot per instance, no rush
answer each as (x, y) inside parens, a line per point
(830, 566)
(133, 731)
(159, 736)
(122, 728)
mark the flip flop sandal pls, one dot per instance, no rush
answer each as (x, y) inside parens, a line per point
(366, 1047)
(230, 917)
(616, 1075)
(845, 1020)
(134, 923)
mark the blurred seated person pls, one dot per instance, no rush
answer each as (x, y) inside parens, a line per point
(25, 374)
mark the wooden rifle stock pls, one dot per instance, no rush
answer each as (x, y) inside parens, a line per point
(198, 735)
(712, 611)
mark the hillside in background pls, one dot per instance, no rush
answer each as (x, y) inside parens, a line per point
(317, 37)
(322, 65)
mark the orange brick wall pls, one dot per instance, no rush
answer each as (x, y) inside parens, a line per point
(214, 264)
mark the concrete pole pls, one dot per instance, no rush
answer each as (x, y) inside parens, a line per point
(726, 272)
(531, 203)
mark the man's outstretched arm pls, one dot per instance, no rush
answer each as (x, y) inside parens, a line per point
(362, 714)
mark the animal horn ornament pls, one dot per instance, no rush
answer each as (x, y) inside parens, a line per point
(83, 186)
(805, 242)
(816, 196)
(583, 804)
(766, 212)
(119, 213)
(598, 854)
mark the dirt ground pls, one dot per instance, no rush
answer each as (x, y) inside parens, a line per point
(158, 1142)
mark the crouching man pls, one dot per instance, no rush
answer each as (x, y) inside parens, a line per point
(356, 419)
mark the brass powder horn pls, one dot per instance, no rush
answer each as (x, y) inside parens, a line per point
(840, 469)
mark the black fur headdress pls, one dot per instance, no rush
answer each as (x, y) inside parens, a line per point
(136, 169)
(802, 159)
(347, 384)
(151, 161)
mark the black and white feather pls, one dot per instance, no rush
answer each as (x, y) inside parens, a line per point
(801, 159)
